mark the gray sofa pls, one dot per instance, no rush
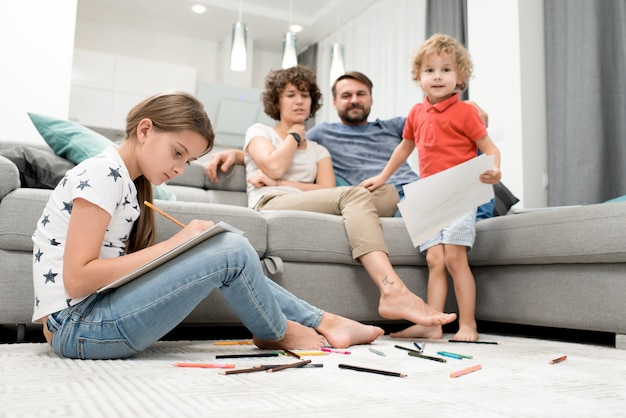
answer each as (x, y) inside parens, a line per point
(563, 268)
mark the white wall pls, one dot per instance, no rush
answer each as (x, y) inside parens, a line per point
(36, 46)
(106, 86)
(205, 56)
(509, 83)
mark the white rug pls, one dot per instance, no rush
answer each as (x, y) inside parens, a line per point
(516, 380)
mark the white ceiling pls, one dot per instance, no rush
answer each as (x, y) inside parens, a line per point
(267, 20)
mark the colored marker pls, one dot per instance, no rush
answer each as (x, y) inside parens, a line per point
(332, 350)
(465, 371)
(456, 354)
(312, 353)
(451, 355)
(205, 365)
(380, 353)
(558, 360)
(420, 349)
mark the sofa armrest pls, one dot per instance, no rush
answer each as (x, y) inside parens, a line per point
(10, 176)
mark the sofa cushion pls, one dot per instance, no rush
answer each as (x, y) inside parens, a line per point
(10, 176)
(19, 212)
(38, 168)
(577, 234)
(298, 236)
(75, 143)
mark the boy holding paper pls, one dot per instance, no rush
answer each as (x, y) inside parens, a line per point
(446, 132)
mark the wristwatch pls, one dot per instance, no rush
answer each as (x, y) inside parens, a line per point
(296, 136)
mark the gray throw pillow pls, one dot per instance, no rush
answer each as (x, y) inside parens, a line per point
(38, 168)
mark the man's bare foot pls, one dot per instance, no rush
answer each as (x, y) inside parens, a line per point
(419, 331)
(406, 305)
(466, 332)
(342, 332)
(297, 337)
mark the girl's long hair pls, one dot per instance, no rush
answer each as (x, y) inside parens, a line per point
(172, 111)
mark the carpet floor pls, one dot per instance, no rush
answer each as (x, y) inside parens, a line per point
(516, 379)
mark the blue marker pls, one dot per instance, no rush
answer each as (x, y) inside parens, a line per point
(451, 355)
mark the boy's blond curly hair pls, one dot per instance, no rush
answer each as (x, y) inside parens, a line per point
(444, 44)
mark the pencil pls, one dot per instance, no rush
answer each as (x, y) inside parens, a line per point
(558, 360)
(407, 349)
(248, 370)
(171, 218)
(413, 353)
(289, 366)
(473, 342)
(465, 371)
(368, 370)
(291, 353)
(205, 365)
(246, 342)
(222, 356)
(271, 366)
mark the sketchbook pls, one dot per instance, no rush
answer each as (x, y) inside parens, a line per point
(217, 228)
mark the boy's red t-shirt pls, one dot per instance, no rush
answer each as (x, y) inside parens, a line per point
(444, 133)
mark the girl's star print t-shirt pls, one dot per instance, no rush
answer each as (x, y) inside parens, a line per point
(102, 180)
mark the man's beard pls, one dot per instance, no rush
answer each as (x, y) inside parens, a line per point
(354, 120)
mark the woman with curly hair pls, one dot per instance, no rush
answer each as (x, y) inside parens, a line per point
(287, 172)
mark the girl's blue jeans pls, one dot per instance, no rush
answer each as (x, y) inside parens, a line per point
(129, 319)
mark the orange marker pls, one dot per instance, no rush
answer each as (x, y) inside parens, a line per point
(558, 360)
(465, 371)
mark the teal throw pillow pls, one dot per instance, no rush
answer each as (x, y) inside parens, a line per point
(340, 181)
(75, 143)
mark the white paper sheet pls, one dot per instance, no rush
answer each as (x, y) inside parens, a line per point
(434, 202)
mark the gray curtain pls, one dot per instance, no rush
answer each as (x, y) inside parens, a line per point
(449, 17)
(308, 57)
(586, 100)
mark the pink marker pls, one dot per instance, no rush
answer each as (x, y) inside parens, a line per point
(332, 350)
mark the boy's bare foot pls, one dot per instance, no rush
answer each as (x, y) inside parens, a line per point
(467, 332)
(406, 305)
(297, 337)
(419, 331)
(342, 332)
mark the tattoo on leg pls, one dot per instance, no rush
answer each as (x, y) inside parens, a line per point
(387, 281)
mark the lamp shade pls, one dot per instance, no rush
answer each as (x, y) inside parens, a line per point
(238, 52)
(337, 67)
(290, 50)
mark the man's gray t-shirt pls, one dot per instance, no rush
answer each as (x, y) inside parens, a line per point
(361, 152)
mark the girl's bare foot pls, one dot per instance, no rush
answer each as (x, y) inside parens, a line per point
(342, 332)
(403, 304)
(419, 331)
(467, 332)
(297, 337)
